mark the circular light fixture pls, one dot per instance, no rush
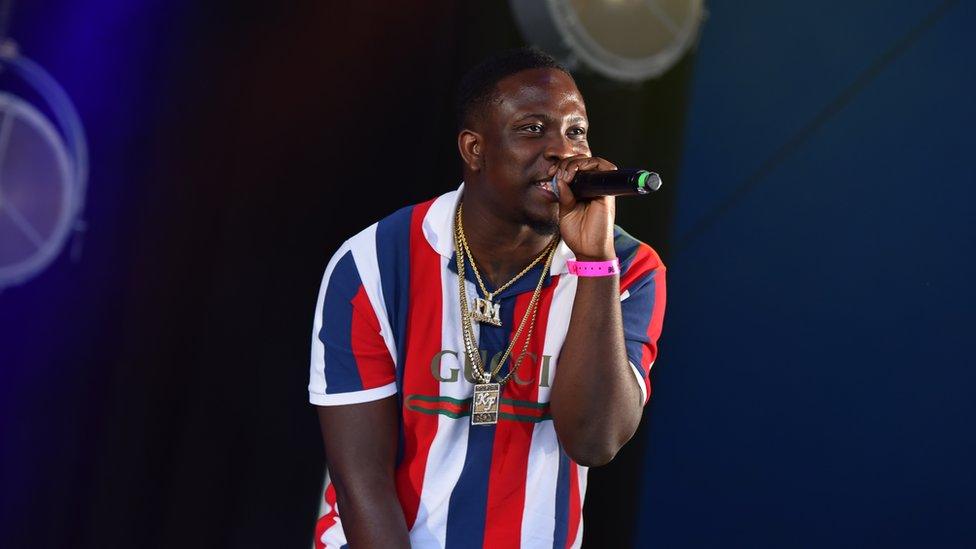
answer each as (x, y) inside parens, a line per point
(43, 173)
(625, 40)
(36, 198)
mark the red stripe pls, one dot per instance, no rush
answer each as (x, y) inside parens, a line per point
(522, 410)
(645, 261)
(372, 356)
(655, 325)
(423, 337)
(446, 406)
(327, 520)
(575, 509)
(461, 408)
(510, 453)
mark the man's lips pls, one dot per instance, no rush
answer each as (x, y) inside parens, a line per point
(545, 185)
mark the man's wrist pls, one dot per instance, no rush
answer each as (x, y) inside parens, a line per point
(608, 255)
(591, 269)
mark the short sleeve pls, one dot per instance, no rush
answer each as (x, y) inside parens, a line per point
(350, 362)
(642, 301)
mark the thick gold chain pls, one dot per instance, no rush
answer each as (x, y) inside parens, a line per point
(474, 267)
(470, 345)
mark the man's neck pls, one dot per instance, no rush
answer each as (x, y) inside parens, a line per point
(500, 247)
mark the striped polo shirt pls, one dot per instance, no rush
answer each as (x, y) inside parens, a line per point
(388, 322)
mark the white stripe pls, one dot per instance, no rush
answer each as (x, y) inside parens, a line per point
(640, 382)
(449, 447)
(364, 253)
(354, 397)
(579, 536)
(581, 471)
(538, 515)
(558, 324)
(560, 259)
(333, 536)
(316, 383)
(438, 224)
(324, 506)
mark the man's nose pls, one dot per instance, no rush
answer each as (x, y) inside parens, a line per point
(559, 147)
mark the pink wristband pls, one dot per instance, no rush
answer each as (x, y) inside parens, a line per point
(594, 268)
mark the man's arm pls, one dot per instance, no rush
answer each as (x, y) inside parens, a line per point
(596, 400)
(352, 380)
(360, 447)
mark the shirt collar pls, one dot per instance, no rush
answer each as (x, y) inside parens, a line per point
(438, 227)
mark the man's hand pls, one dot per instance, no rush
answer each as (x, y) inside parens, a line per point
(586, 226)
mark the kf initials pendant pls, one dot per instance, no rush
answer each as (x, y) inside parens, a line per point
(484, 405)
(487, 312)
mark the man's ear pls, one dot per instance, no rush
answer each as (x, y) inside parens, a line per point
(471, 146)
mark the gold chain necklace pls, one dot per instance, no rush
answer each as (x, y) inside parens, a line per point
(484, 406)
(484, 310)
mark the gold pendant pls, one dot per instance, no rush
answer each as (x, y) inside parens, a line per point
(484, 405)
(487, 312)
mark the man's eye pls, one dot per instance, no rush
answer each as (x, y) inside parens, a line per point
(577, 132)
(533, 128)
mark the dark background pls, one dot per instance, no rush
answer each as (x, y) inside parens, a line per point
(814, 382)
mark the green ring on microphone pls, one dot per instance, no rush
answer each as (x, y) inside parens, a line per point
(642, 179)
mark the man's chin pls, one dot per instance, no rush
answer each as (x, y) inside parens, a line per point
(544, 227)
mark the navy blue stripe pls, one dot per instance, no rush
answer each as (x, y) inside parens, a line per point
(636, 311)
(341, 373)
(525, 283)
(393, 261)
(561, 527)
(625, 246)
(469, 500)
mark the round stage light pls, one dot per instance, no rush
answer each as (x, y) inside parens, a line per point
(625, 40)
(43, 173)
(36, 198)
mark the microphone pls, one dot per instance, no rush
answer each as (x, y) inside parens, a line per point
(625, 182)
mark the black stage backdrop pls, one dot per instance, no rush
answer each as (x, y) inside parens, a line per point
(155, 390)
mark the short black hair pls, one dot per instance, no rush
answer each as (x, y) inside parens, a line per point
(477, 88)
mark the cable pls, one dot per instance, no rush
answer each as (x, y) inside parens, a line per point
(806, 132)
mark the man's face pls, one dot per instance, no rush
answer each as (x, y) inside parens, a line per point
(538, 118)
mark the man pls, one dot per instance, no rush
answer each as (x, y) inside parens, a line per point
(466, 415)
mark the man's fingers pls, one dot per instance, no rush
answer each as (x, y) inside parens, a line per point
(566, 199)
(569, 166)
(566, 168)
(561, 168)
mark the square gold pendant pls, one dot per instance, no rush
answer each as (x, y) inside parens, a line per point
(487, 312)
(484, 405)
